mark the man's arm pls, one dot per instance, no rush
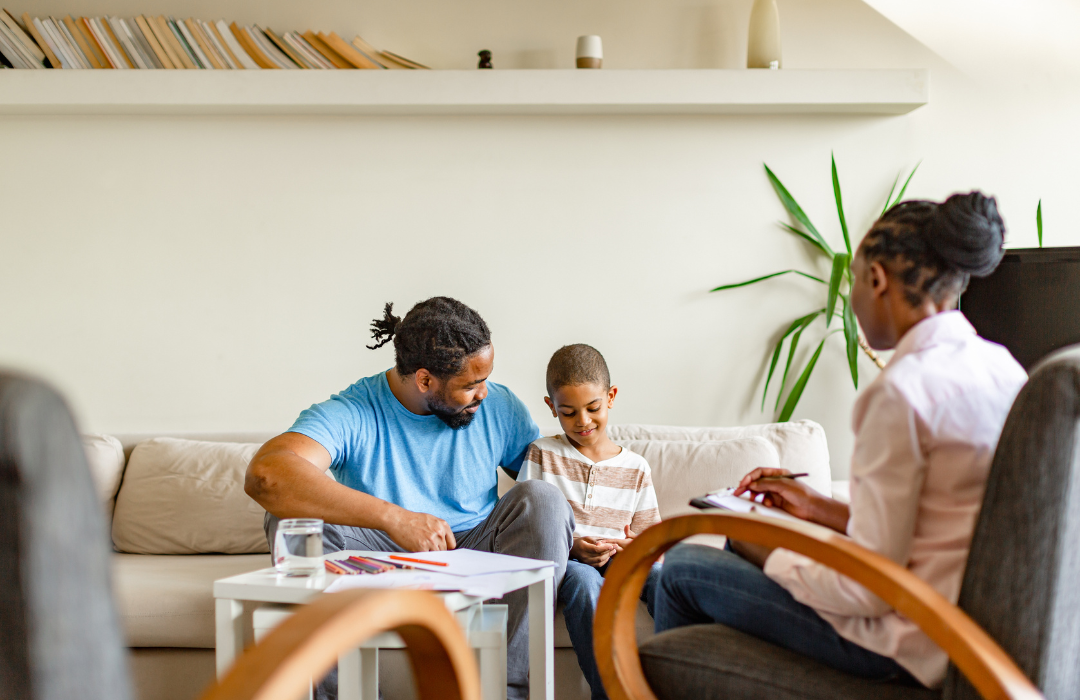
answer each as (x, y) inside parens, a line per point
(286, 478)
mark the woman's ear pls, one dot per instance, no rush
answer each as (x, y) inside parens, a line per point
(551, 405)
(611, 396)
(879, 278)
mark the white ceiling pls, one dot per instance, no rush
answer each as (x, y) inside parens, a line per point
(991, 39)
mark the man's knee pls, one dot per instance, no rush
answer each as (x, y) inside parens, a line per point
(543, 498)
(582, 577)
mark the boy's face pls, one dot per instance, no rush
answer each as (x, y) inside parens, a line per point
(582, 410)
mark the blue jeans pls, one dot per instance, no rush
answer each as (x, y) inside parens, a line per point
(578, 593)
(701, 585)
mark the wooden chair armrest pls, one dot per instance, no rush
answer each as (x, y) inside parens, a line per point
(978, 657)
(307, 645)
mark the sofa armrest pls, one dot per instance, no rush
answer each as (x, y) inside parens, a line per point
(977, 656)
(307, 645)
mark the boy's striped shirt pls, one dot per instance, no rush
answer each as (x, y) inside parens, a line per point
(605, 495)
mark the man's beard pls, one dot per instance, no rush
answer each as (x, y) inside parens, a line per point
(455, 419)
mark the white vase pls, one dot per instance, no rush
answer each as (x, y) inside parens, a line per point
(763, 48)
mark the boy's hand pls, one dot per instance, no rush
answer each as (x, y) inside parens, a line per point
(591, 551)
(620, 544)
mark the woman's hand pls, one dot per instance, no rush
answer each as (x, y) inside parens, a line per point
(794, 497)
(592, 551)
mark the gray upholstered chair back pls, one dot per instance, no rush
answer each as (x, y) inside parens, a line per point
(1022, 582)
(60, 636)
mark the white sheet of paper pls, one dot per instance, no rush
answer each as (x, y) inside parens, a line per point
(724, 499)
(468, 562)
(486, 586)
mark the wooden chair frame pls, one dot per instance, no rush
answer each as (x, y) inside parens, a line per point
(978, 657)
(307, 645)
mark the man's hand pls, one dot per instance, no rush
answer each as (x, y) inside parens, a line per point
(794, 497)
(592, 551)
(419, 532)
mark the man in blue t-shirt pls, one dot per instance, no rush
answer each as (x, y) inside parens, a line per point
(415, 452)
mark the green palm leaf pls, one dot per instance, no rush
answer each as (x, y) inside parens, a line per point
(1038, 221)
(900, 196)
(839, 269)
(791, 355)
(795, 325)
(840, 207)
(797, 390)
(802, 234)
(851, 335)
(888, 197)
(766, 277)
(796, 211)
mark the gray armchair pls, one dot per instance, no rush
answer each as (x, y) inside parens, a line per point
(1019, 610)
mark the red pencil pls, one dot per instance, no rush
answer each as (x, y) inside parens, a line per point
(418, 561)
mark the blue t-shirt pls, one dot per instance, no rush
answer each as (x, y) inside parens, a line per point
(418, 462)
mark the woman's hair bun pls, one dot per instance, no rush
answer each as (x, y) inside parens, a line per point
(968, 233)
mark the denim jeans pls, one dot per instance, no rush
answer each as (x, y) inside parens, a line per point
(701, 585)
(578, 594)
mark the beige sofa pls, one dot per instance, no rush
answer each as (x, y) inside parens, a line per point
(177, 504)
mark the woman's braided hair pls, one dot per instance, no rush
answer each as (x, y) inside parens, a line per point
(437, 335)
(933, 248)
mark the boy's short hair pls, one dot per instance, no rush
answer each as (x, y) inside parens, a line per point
(576, 364)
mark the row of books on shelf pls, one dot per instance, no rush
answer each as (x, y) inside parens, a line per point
(168, 43)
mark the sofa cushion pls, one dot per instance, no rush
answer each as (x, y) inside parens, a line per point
(105, 455)
(683, 469)
(187, 497)
(714, 662)
(168, 601)
(801, 444)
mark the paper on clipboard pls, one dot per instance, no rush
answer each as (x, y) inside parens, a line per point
(725, 499)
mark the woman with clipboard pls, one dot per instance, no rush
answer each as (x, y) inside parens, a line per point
(925, 434)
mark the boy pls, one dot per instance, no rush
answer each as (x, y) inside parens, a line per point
(608, 487)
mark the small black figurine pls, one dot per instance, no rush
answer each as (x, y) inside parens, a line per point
(485, 59)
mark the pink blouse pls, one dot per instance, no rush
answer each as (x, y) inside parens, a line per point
(925, 433)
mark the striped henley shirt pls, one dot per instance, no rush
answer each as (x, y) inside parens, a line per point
(604, 495)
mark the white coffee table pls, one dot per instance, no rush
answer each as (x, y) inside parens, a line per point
(266, 587)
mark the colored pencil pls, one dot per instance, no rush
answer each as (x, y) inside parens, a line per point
(418, 561)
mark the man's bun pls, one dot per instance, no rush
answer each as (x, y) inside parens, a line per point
(968, 233)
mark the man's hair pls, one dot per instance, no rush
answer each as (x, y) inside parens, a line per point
(934, 248)
(572, 365)
(437, 335)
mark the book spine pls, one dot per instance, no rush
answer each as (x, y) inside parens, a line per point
(242, 56)
(219, 46)
(80, 42)
(107, 43)
(54, 44)
(114, 41)
(155, 45)
(165, 35)
(9, 52)
(175, 29)
(269, 50)
(284, 48)
(116, 33)
(26, 40)
(72, 46)
(34, 27)
(328, 53)
(347, 51)
(305, 49)
(142, 44)
(204, 43)
(28, 59)
(92, 43)
(193, 45)
(244, 39)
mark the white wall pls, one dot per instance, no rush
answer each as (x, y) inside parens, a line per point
(219, 273)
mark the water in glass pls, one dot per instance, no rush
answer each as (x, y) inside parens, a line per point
(298, 547)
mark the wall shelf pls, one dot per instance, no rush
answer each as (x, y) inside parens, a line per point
(464, 92)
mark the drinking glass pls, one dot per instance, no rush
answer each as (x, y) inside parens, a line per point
(298, 547)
